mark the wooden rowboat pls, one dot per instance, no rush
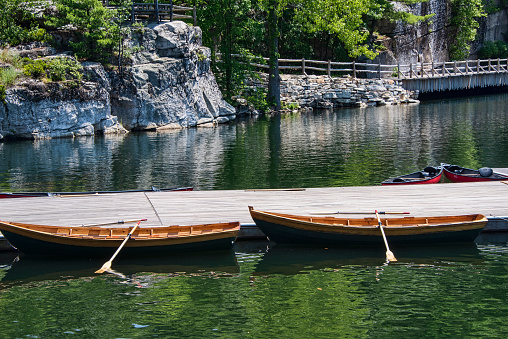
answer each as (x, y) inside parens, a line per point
(456, 173)
(103, 241)
(429, 175)
(332, 231)
(6, 195)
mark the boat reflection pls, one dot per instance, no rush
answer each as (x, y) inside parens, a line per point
(290, 260)
(29, 268)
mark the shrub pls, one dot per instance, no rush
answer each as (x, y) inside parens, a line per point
(54, 69)
(35, 69)
(493, 50)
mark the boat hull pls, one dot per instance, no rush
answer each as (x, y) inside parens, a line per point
(462, 174)
(31, 242)
(9, 195)
(417, 178)
(285, 230)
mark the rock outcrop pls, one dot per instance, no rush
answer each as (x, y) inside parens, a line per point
(168, 84)
(37, 110)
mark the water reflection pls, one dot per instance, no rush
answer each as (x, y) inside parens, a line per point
(24, 268)
(322, 148)
(290, 260)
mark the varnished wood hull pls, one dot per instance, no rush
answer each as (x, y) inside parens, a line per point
(330, 231)
(96, 241)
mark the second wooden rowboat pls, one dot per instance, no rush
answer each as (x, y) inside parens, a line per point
(103, 241)
(343, 232)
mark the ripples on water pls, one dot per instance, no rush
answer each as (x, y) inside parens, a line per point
(264, 290)
(322, 148)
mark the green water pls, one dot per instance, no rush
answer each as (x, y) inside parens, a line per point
(348, 147)
(264, 291)
(260, 290)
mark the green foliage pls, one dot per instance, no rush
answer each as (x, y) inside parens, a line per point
(465, 15)
(2, 93)
(493, 50)
(35, 69)
(54, 69)
(8, 76)
(17, 24)
(99, 33)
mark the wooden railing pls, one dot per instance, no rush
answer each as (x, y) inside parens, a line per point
(159, 11)
(407, 71)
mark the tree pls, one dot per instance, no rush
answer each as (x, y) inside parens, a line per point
(98, 31)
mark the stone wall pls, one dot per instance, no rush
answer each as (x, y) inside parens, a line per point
(313, 91)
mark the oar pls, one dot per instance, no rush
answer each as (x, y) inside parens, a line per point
(107, 264)
(505, 182)
(114, 222)
(389, 254)
(359, 213)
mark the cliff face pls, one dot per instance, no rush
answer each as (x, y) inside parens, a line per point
(37, 110)
(168, 85)
(431, 41)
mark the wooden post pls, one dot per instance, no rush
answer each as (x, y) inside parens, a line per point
(303, 67)
(133, 14)
(490, 65)
(478, 66)
(444, 68)
(467, 66)
(171, 10)
(455, 67)
(354, 69)
(195, 15)
(498, 65)
(379, 68)
(410, 70)
(157, 10)
(398, 70)
(433, 70)
(329, 69)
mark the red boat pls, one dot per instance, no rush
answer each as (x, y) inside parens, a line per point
(429, 175)
(4, 195)
(456, 173)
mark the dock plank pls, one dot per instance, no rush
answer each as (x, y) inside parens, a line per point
(198, 207)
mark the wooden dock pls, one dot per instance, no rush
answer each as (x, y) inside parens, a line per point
(197, 207)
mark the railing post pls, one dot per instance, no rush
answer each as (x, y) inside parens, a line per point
(329, 69)
(157, 10)
(398, 70)
(444, 68)
(410, 71)
(498, 65)
(194, 14)
(354, 69)
(478, 66)
(490, 65)
(433, 70)
(467, 66)
(379, 69)
(133, 14)
(171, 10)
(303, 67)
(455, 67)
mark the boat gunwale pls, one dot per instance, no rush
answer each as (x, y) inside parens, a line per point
(103, 241)
(477, 222)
